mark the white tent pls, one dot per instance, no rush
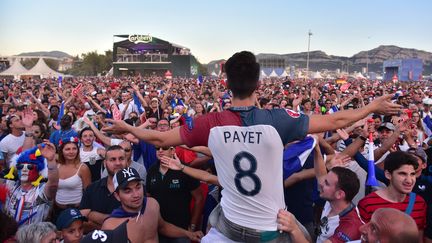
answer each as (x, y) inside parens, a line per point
(42, 69)
(317, 75)
(284, 74)
(273, 74)
(262, 74)
(299, 75)
(15, 70)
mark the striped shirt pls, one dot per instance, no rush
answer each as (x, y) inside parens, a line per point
(369, 204)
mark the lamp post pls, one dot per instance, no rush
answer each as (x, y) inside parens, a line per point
(307, 60)
(367, 60)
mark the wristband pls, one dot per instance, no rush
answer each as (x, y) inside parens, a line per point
(182, 167)
(52, 168)
(28, 134)
(193, 227)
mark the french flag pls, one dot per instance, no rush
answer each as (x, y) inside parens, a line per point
(60, 79)
(333, 109)
(200, 80)
(371, 180)
(61, 113)
(296, 154)
(428, 122)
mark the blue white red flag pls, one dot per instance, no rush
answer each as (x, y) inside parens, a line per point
(296, 154)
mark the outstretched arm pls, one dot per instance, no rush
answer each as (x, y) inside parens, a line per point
(175, 164)
(159, 139)
(381, 105)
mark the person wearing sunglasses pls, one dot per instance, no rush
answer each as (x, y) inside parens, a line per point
(27, 201)
(167, 186)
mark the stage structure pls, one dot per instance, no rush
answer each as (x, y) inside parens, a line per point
(403, 70)
(149, 55)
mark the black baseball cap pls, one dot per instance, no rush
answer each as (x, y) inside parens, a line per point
(117, 235)
(124, 176)
(67, 217)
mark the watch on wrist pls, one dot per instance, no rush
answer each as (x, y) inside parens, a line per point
(182, 167)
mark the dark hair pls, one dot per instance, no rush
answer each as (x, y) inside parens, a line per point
(347, 182)
(8, 227)
(242, 74)
(162, 119)
(112, 148)
(43, 129)
(83, 130)
(397, 159)
(41, 116)
(9, 121)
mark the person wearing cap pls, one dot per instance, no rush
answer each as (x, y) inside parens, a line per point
(427, 103)
(98, 201)
(70, 224)
(140, 212)
(389, 141)
(117, 235)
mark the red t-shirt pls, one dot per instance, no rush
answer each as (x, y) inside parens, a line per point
(369, 204)
(348, 228)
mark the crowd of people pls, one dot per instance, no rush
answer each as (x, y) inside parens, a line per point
(233, 159)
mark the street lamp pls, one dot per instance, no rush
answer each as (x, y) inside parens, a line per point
(307, 60)
(367, 60)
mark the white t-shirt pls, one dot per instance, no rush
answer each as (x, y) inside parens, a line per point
(239, 171)
(327, 230)
(10, 144)
(132, 107)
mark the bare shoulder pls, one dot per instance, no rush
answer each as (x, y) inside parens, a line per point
(83, 169)
(152, 204)
(112, 223)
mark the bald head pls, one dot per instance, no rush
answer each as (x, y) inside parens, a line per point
(395, 225)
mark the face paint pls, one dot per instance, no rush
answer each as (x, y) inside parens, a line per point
(27, 172)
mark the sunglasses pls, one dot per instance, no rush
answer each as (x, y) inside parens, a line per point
(164, 148)
(28, 166)
(323, 224)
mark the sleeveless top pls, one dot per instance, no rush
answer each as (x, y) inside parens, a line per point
(89, 156)
(70, 190)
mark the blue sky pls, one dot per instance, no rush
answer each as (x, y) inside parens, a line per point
(216, 29)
